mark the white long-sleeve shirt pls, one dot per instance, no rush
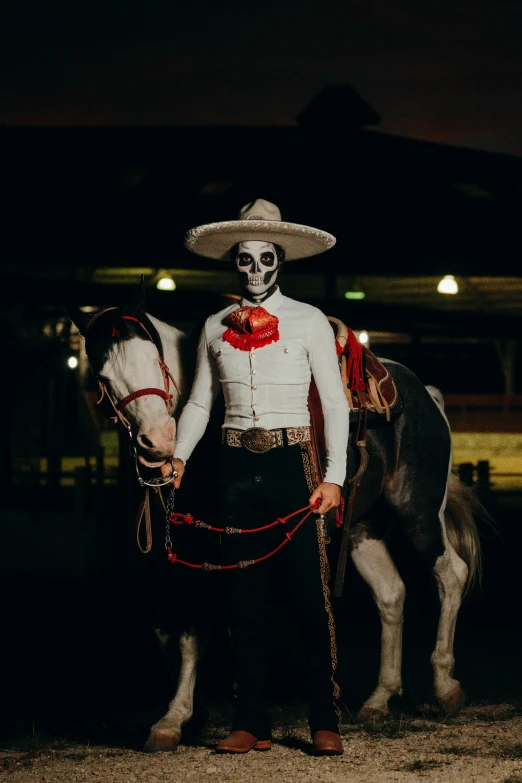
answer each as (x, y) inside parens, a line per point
(268, 387)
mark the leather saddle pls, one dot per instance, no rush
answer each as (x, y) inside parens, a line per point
(366, 381)
(371, 404)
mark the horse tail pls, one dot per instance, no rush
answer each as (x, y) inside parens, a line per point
(462, 509)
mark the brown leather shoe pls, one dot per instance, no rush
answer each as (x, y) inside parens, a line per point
(242, 742)
(327, 743)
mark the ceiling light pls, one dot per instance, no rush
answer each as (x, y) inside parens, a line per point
(448, 285)
(72, 362)
(354, 295)
(363, 338)
(166, 283)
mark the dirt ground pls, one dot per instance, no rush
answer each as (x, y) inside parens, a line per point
(84, 679)
(483, 744)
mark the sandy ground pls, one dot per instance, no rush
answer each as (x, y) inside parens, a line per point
(483, 744)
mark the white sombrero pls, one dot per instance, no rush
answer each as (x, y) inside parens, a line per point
(259, 220)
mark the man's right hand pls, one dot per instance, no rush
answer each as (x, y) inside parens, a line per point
(178, 466)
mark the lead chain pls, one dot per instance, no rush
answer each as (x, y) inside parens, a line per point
(169, 510)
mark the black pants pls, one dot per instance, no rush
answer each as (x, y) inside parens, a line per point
(256, 489)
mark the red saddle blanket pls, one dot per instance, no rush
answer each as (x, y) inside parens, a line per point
(367, 384)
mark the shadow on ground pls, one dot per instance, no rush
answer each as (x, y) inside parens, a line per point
(81, 663)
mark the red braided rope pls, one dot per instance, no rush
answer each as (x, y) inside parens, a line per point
(187, 519)
(142, 393)
(173, 558)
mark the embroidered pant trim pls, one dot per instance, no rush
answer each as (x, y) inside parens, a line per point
(312, 473)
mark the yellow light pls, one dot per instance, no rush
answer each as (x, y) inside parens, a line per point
(364, 338)
(166, 283)
(448, 285)
(72, 362)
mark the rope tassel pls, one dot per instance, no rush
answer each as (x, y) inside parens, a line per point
(355, 376)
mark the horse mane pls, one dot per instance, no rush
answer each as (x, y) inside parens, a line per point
(110, 326)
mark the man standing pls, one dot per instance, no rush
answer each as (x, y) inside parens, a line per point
(262, 353)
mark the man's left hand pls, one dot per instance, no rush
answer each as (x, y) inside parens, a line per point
(328, 494)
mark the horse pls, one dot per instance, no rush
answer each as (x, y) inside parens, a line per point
(143, 367)
(408, 483)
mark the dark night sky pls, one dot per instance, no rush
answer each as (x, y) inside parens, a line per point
(447, 71)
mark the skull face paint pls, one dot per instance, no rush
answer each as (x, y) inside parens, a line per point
(258, 265)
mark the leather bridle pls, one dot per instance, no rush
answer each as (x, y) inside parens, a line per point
(120, 406)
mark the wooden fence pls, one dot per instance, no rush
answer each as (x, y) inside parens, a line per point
(484, 412)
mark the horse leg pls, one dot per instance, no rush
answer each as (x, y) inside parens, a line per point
(374, 563)
(451, 574)
(427, 533)
(165, 735)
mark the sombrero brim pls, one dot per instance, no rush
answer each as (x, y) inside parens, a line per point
(214, 240)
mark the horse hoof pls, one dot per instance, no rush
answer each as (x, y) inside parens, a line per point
(453, 702)
(371, 714)
(162, 741)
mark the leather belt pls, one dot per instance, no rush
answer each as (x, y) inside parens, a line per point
(258, 440)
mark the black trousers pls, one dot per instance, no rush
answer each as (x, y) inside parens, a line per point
(256, 489)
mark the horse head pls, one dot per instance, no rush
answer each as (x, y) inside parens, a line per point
(125, 353)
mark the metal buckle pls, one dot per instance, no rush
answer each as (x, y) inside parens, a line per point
(257, 440)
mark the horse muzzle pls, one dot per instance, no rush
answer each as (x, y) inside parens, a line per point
(149, 463)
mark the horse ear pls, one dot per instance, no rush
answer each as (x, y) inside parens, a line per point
(136, 305)
(80, 319)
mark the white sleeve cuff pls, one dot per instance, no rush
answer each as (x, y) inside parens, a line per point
(335, 476)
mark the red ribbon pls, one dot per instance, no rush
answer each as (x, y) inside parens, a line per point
(251, 327)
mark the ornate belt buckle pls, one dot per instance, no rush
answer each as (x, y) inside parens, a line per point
(257, 439)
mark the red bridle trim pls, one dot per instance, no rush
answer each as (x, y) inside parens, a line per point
(143, 393)
(167, 376)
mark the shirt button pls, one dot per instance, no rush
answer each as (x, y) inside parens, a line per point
(254, 388)
(256, 418)
(286, 350)
(253, 372)
(253, 406)
(252, 355)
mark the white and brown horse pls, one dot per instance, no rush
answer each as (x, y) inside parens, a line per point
(408, 483)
